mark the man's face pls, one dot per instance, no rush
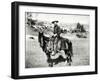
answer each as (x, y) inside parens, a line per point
(55, 23)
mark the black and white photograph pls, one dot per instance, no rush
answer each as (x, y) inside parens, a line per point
(56, 40)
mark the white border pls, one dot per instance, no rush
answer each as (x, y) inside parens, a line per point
(38, 71)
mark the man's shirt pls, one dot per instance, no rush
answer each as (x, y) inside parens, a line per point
(57, 30)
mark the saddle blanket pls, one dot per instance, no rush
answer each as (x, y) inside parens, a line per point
(61, 53)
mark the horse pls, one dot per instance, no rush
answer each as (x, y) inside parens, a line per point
(48, 46)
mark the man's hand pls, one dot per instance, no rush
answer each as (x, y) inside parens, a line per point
(55, 35)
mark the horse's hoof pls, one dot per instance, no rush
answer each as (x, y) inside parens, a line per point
(56, 63)
(69, 64)
(50, 65)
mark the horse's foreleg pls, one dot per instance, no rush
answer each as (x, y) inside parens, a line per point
(49, 60)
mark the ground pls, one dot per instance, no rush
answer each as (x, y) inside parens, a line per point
(35, 57)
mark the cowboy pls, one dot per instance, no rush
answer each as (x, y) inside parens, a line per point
(57, 32)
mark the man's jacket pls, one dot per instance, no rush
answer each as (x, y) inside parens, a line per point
(57, 30)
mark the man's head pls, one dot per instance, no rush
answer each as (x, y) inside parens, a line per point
(55, 22)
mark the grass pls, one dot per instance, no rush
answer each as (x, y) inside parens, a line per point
(36, 58)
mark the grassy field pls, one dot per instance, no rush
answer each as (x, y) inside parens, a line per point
(35, 57)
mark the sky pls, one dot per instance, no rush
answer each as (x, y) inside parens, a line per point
(62, 18)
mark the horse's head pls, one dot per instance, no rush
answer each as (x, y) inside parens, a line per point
(50, 46)
(47, 44)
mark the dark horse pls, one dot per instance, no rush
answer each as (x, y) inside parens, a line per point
(48, 46)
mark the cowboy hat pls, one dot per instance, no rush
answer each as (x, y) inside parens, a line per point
(55, 21)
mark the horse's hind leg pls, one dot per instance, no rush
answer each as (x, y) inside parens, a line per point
(69, 63)
(68, 58)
